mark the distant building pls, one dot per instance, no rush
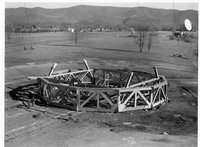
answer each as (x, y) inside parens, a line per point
(70, 29)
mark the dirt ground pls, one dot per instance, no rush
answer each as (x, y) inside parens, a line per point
(173, 124)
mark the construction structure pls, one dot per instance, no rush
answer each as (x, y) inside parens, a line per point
(107, 90)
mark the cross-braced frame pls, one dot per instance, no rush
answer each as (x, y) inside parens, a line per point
(107, 90)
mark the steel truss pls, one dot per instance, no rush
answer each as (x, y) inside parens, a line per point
(107, 90)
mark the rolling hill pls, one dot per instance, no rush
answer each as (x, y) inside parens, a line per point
(100, 15)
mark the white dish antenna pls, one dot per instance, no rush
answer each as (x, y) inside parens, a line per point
(188, 24)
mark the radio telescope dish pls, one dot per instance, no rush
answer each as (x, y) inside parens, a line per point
(188, 24)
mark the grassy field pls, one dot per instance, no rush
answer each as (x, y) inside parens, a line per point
(112, 50)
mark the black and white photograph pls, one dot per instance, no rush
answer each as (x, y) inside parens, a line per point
(100, 74)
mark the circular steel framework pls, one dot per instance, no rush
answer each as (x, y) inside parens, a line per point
(108, 90)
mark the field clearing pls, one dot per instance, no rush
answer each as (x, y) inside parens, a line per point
(113, 42)
(104, 47)
(106, 50)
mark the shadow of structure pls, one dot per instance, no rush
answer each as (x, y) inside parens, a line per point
(27, 94)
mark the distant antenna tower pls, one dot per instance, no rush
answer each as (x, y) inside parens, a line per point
(175, 19)
(27, 23)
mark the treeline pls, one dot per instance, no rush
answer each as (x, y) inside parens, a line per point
(81, 28)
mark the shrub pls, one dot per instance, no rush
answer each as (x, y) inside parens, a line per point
(171, 37)
(187, 37)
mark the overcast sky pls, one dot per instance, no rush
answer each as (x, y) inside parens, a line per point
(51, 5)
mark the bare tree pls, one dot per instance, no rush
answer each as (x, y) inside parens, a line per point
(142, 31)
(195, 52)
(8, 30)
(149, 41)
(75, 36)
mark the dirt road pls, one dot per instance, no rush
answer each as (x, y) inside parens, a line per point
(75, 134)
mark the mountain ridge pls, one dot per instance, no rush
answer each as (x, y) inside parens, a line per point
(100, 15)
